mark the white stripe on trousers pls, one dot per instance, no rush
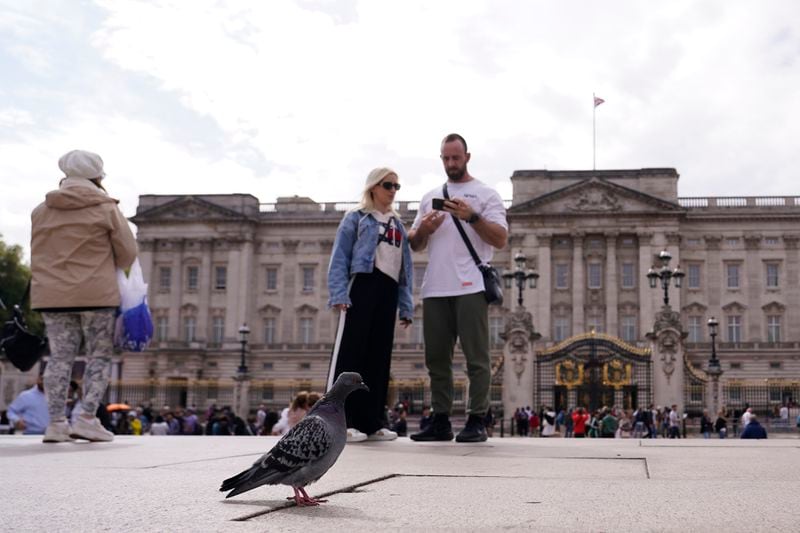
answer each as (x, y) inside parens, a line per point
(338, 343)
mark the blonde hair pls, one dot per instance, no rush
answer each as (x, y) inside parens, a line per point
(373, 178)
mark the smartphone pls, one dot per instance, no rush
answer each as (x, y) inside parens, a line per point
(438, 204)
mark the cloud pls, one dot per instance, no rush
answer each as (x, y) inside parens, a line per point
(283, 98)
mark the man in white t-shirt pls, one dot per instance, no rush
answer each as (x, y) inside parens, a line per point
(454, 304)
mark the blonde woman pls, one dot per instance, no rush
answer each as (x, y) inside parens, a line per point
(369, 279)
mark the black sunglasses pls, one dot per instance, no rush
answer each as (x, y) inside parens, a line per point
(388, 185)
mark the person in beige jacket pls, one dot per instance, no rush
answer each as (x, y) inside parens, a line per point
(79, 238)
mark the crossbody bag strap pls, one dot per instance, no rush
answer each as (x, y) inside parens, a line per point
(463, 233)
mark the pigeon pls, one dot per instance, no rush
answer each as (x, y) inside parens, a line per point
(307, 451)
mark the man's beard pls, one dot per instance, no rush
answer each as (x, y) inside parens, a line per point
(456, 174)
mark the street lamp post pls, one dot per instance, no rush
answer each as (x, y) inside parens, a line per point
(665, 275)
(244, 331)
(714, 367)
(520, 275)
(241, 405)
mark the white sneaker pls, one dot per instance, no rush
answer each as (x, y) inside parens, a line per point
(354, 435)
(91, 430)
(383, 434)
(57, 432)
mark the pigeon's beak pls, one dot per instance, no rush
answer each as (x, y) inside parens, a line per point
(363, 386)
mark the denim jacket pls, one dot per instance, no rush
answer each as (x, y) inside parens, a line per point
(354, 253)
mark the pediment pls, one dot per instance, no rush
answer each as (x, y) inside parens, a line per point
(187, 208)
(594, 196)
(695, 308)
(269, 309)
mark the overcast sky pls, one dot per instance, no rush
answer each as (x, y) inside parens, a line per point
(304, 97)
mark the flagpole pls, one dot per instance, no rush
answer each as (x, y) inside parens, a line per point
(594, 133)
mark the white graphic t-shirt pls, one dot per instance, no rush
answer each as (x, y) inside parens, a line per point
(451, 270)
(389, 253)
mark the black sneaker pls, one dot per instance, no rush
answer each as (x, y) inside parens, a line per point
(473, 431)
(440, 429)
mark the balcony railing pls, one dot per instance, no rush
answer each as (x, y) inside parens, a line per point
(730, 202)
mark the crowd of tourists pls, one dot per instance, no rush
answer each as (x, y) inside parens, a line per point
(642, 423)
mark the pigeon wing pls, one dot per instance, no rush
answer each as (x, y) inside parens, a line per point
(305, 443)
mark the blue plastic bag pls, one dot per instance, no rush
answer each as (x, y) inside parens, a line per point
(134, 323)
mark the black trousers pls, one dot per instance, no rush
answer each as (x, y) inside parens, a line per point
(366, 347)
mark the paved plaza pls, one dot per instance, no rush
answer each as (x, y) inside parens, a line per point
(170, 484)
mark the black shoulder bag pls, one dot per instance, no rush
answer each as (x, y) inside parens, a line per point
(493, 290)
(23, 348)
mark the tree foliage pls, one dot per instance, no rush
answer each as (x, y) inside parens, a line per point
(14, 277)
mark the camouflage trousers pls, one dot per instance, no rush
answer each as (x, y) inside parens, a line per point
(66, 331)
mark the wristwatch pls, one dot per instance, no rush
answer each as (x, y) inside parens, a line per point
(473, 218)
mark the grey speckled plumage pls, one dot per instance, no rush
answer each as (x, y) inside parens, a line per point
(307, 451)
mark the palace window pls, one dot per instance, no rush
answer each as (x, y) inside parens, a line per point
(695, 329)
(162, 328)
(189, 328)
(772, 275)
(192, 277)
(562, 275)
(217, 329)
(308, 278)
(220, 278)
(272, 278)
(734, 328)
(773, 328)
(595, 275)
(628, 276)
(595, 322)
(306, 330)
(560, 328)
(164, 278)
(270, 330)
(732, 271)
(693, 273)
(628, 328)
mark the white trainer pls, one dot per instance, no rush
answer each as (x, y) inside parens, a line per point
(354, 435)
(57, 432)
(382, 434)
(91, 430)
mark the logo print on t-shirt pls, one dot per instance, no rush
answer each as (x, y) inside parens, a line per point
(390, 234)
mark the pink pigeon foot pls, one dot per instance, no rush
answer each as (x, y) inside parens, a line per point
(302, 499)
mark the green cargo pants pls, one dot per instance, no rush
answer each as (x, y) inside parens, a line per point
(465, 318)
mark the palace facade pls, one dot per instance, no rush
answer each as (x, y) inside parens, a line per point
(216, 262)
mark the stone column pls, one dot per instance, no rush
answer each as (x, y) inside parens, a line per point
(713, 392)
(713, 278)
(544, 289)
(612, 286)
(241, 395)
(176, 290)
(754, 283)
(578, 285)
(668, 358)
(791, 286)
(204, 285)
(646, 295)
(518, 363)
